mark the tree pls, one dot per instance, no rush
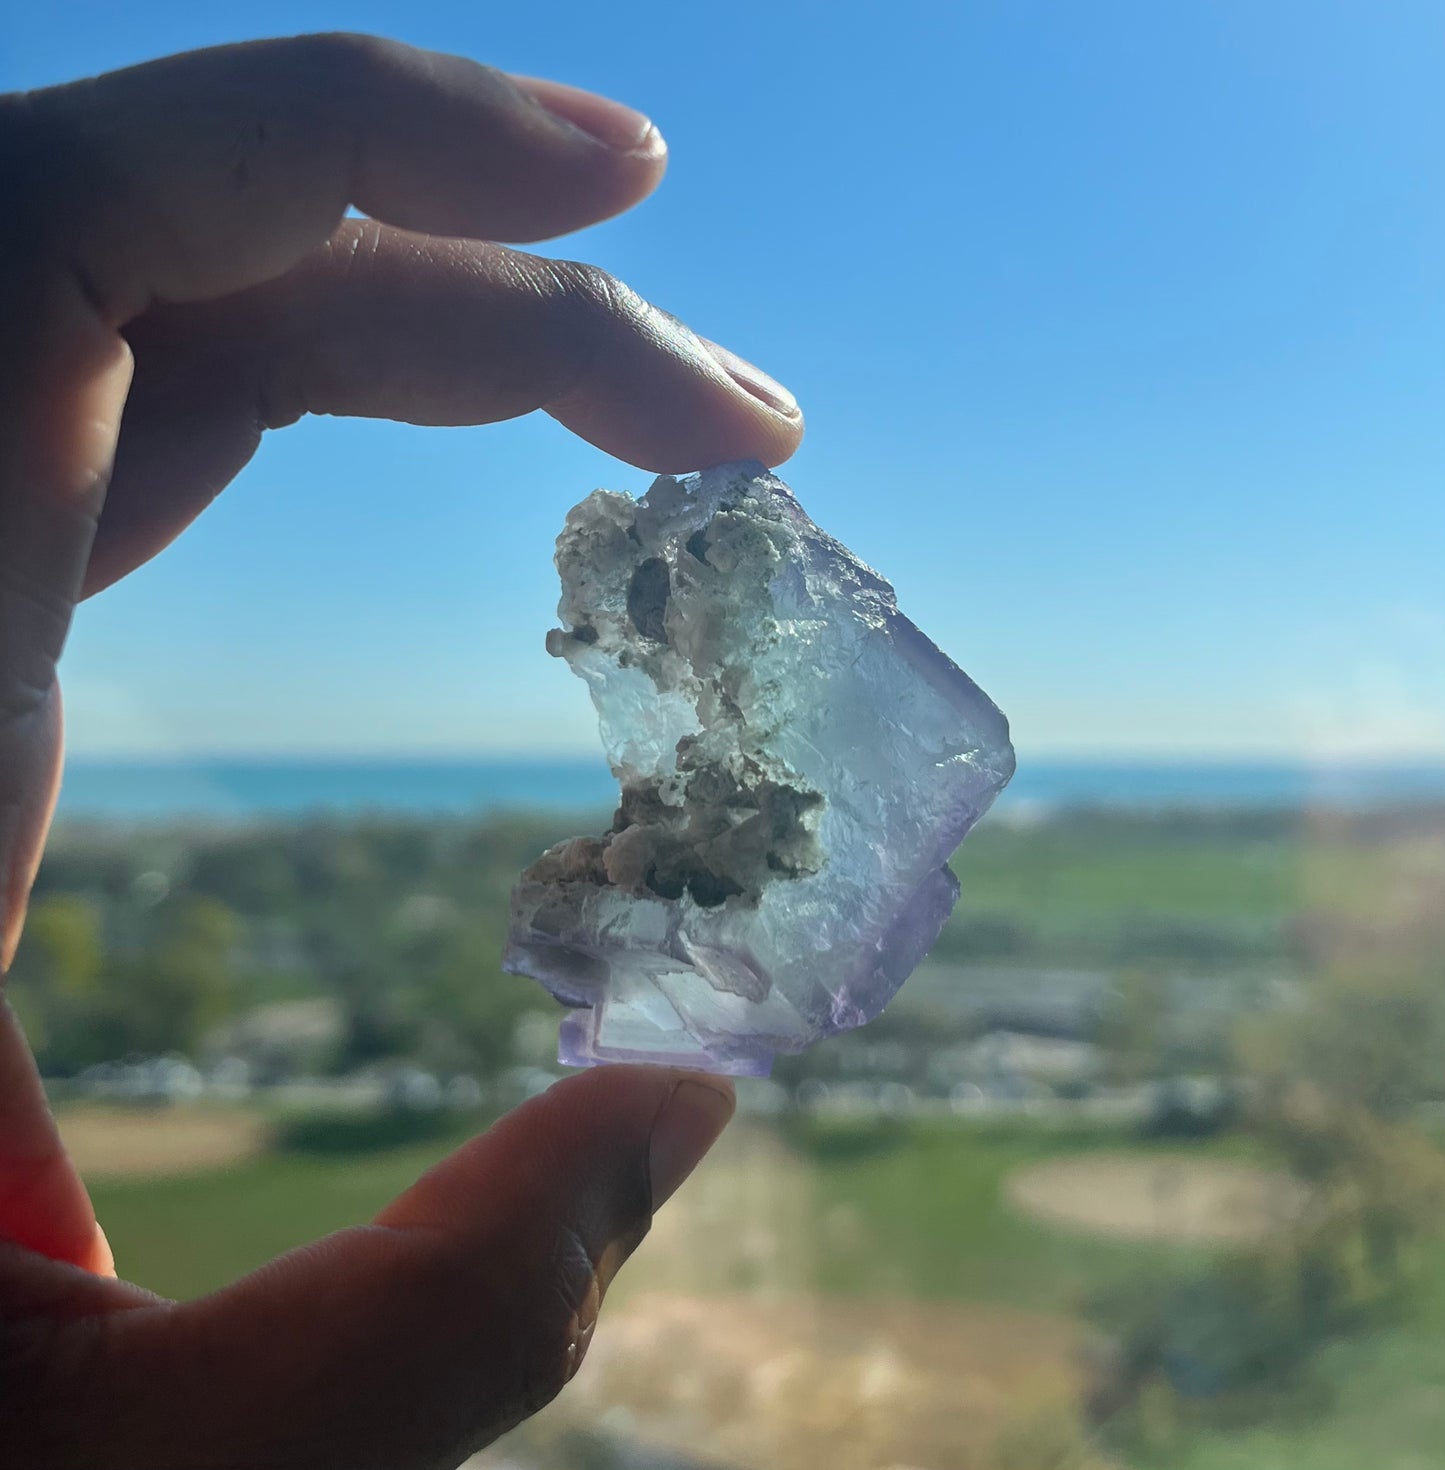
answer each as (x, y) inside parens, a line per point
(181, 984)
(56, 984)
(1131, 1031)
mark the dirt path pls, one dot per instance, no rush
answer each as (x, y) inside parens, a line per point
(111, 1143)
(776, 1382)
(744, 1222)
(1157, 1197)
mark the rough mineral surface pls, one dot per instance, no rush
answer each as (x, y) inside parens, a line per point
(797, 763)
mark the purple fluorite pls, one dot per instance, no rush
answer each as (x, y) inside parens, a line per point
(797, 764)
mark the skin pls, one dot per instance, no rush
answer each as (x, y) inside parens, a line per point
(177, 276)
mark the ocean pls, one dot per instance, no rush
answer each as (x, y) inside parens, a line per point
(235, 789)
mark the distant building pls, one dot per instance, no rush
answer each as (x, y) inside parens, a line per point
(286, 1039)
(1011, 1062)
(1037, 1002)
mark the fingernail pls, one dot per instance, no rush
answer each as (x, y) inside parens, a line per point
(754, 379)
(687, 1127)
(609, 122)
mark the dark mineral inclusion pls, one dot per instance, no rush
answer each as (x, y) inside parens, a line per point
(797, 764)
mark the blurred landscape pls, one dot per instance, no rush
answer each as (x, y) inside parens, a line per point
(1143, 1167)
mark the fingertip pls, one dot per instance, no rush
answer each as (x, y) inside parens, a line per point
(669, 401)
(613, 124)
(618, 158)
(777, 432)
(101, 1260)
(722, 434)
(777, 436)
(684, 1113)
(691, 1120)
(753, 380)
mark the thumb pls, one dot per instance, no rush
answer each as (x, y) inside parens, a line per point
(409, 1343)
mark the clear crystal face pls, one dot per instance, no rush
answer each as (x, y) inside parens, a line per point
(797, 764)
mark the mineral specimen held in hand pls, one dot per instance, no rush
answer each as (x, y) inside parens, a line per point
(797, 763)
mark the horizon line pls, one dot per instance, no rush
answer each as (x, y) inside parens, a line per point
(1059, 756)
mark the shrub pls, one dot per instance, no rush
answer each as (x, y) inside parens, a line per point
(329, 1131)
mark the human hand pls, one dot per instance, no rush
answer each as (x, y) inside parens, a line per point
(177, 274)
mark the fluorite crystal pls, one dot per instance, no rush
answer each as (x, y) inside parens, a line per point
(797, 764)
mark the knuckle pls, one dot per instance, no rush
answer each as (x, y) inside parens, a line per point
(520, 1318)
(20, 699)
(353, 53)
(562, 1313)
(347, 53)
(588, 289)
(355, 60)
(280, 398)
(37, 602)
(590, 310)
(28, 661)
(341, 72)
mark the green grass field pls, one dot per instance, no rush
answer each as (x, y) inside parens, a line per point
(1066, 871)
(189, 1234)
(1094, 887)
(934, 1222)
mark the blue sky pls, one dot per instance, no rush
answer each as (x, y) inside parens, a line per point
(1120, 329)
